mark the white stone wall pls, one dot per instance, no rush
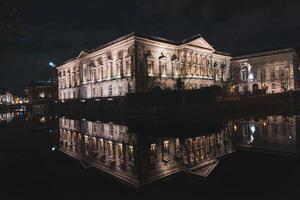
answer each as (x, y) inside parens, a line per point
(279, 70)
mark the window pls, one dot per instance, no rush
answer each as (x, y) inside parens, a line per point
(110, 149)
(273, 86)
(263, 75)
(101, 91)
(120, 151)
(110, 92)
(281, 72)
(254, 72)
(166, 149)
(150, 67)
(131, 153)
(244, 75)
(85, 93)
(101, 73)
(273, 74)
(94, 92)
(163, 69)
(177, 145)
(129, 88)
(128, 68)
(153, 151)
(42, 94)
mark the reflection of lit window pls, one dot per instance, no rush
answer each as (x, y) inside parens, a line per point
(252, 128)
(101, 145)
(42, 94)
(177, 145)
(120, 152)
(235, 127)
(131, 153)
(153, 150)
(94, 144)
(110, 149)
(166, 149)
(42, 119)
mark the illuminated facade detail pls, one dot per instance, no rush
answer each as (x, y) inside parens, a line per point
(273, 133)
(113, 149)
(137, 64)
(273, 71)
(6, 97)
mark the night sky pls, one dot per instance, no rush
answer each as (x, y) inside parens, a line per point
(32, 33)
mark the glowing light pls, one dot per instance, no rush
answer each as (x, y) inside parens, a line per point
(252, 128)
(235, 127)
(52, 64)
(290, 137)
(53, 148)
(250, 76)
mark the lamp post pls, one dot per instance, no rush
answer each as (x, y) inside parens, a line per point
(52, 78)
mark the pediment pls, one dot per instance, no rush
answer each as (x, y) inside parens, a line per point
(82, 54)
(201, 43)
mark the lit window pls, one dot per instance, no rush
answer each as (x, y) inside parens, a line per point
(131, 153)
(273, 86)
(166, 149)
(153, 150)
(42, 94)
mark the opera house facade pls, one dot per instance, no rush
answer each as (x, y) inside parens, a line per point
(138, 63)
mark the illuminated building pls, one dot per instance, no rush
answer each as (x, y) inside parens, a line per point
(6, 97)
(136, 63)
(272, 71)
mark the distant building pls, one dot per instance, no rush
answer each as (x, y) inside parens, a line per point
(6, 97)
(136, 63)
(41, 93)
(272, 71)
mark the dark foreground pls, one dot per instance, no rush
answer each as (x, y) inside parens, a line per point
(31, 169)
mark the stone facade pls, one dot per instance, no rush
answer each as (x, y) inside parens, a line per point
(135, 63)
(273, 71)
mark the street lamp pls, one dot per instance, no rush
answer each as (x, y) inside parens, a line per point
(51, 64)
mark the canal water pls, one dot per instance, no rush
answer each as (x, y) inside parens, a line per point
(45, 156)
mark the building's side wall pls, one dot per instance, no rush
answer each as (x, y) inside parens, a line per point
(275, 73)
(104, 73)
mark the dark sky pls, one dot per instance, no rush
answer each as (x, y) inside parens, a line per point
(34, 32)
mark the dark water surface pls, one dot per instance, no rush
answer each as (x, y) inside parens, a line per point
(60, 157)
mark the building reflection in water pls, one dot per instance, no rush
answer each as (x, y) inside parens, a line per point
(275, 134)
(41, 121)
(139, 159)
(9, 116)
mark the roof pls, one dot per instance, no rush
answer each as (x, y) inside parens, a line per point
(263, 53)
(136, 34)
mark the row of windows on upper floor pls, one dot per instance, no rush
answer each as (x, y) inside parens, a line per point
(282, 72)
(119, 66)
